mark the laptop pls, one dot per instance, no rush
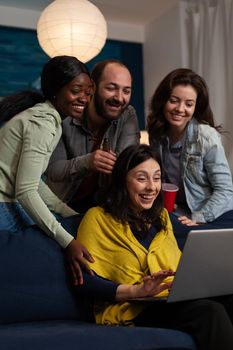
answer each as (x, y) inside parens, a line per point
(205, 268)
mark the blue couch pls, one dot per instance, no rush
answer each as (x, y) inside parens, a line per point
(39, 310)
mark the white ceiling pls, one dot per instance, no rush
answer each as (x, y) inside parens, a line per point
(126, 11)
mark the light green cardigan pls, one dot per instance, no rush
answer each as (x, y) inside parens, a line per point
(26, 144)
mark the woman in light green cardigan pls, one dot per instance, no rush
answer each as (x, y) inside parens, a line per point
(30, 132)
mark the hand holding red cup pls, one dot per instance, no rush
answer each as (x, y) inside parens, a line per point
(169, 195)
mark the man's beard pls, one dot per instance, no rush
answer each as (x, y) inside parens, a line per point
(101, 111)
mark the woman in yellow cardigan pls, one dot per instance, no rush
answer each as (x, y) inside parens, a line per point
(131, 240)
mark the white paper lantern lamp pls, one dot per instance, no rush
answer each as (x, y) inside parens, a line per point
(72, 27)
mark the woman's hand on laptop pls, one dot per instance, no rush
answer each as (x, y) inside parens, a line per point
(154, 284)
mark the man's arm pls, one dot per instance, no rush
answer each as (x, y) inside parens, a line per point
(130, 132)
(61, 168)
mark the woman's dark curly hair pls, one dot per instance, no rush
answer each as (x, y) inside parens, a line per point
(13, 104)
(58, 72)
(115, 199)
(156, 123)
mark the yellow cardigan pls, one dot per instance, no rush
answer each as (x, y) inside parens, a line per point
(119, 257)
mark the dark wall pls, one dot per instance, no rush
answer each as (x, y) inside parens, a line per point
(21, 61)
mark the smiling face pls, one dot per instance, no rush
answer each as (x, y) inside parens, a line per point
(113, 91)
(74, 97)
(143, 185)
(180, 107)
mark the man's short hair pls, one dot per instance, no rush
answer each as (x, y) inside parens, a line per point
(99, 67)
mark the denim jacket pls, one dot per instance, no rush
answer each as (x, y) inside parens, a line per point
(205, 173)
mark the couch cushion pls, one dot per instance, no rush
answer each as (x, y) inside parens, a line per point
(63, 335)
(33, 279)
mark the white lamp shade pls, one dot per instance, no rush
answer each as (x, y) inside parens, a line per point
(72, 27)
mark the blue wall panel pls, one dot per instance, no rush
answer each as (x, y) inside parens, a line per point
(21, 61)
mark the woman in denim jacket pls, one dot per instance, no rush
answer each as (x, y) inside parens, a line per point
(181, 126)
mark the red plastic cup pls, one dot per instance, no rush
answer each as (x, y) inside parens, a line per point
(169, 195)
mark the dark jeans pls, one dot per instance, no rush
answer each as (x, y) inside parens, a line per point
(13, 217)
(209, 321)
(181, 231)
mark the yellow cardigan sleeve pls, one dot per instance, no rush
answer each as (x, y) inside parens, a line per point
(117, 253)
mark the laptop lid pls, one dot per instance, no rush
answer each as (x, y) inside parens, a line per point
(206, 266)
